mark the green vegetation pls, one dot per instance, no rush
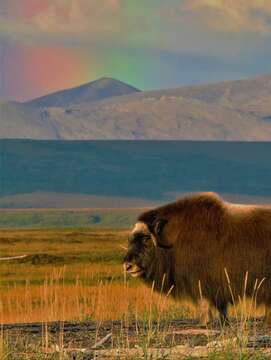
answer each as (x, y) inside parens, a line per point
(102, 218)
(132, 169)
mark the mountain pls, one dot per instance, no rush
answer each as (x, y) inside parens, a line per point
(157, 117)
(93, 91)
(232, 110)
(18, 121)
(237, 92)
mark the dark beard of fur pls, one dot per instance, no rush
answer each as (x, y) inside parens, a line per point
(159, 273)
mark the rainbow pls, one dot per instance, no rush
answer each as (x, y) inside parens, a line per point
(29, 71)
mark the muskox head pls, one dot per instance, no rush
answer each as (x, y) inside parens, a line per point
(143, 241)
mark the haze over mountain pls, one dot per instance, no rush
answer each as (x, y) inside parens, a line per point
(232, 110)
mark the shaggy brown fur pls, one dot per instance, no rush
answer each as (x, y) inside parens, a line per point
(205, 235)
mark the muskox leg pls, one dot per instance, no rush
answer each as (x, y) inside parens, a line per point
(206, 315)
(267, 316)
(222, 309)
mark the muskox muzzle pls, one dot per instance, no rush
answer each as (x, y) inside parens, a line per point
(132, 269)
(139, 242)
(131, 264)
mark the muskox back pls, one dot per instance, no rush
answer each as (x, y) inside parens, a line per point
(234, 239)
(203, 238)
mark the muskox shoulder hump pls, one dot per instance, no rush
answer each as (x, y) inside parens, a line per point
(242, 208)
(198, 203)
(202, 200)
(208, 196)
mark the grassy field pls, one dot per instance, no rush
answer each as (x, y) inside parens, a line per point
(96, 218)
(57, 218)
(76, 275)
(68, 274)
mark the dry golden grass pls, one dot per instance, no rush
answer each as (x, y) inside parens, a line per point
(109, 301)
(82, 280)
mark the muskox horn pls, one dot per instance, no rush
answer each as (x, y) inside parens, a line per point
(158, 230)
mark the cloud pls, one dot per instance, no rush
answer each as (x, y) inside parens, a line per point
(211, 27)
(60, 18)
(81, 23)
(231, 15)
(76, 16)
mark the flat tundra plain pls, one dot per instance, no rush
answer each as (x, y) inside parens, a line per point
(66, 297)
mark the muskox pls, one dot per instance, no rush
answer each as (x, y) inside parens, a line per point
(196, 241)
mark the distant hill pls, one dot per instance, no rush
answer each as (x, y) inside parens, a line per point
(233, 110)
(93, 91)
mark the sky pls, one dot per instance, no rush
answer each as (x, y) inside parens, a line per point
(48, 45)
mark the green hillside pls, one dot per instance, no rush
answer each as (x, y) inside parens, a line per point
(101, 218)
(149, 170)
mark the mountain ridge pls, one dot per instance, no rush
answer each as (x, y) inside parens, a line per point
(228, 110)
(91, 91)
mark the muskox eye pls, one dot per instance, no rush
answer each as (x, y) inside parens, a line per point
(145, 239)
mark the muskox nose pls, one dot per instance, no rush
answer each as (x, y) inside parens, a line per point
(127, 266)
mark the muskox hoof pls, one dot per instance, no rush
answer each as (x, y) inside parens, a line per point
(224, 320)
(267, 318)
(205, 313)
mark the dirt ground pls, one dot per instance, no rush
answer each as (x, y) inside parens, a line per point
(86, 334)
(184, 335)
